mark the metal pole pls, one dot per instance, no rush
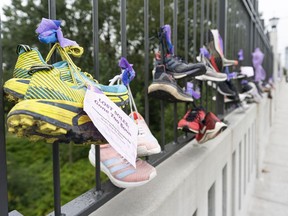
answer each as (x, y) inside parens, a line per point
(95, 23)
(222, 21)
(162, 110)
(55, 148)
(175, 25)
(146, 51)
(186, 30)
(161, 12)
(202, 24)
(3, 165)
(95, 38)
(194, 30)
(123, 29)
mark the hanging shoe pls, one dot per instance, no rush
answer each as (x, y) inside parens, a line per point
(211, 74)
(174, 65)
(147, 144)
(16, 87)
(192, 120)
(121, 173)
(210, 128)
(164, 87)
(215, 47)
(54, 108)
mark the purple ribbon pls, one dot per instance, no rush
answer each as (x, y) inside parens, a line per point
(189, 90)
(49, 31)
(128, 72)
(241, 55)
(257, 59)
(205, 52)
(167, 30)
(231, 75)
(244, 82)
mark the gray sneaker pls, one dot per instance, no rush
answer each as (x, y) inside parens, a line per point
(211, 74)
(164, 87)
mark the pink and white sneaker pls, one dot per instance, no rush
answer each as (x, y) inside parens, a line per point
(147, 143)
(121, 173)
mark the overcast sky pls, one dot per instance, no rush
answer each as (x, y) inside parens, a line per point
(269, 9)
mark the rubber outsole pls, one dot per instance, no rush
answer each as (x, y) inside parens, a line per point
(27, 119)
(167, 92)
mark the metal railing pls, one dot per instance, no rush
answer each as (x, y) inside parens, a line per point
(239, 21)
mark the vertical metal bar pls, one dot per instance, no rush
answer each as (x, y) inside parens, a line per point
(175, 24)
(213, 14)
(175, 12)
(194, 30)
(208, 18)
(162, 110)
(222, 21)
(56, 179)
(202, 24)
(95, 24)
(207, 100)
(123, 29)
(161, 12)
(146, 51)
(161, 102)
(175, 124)
(186, 30)
(55, 148)
(3, 164)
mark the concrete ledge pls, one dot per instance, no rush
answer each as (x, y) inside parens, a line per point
(212, 177)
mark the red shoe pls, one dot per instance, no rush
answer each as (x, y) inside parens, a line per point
(210, 128)
(191, 120)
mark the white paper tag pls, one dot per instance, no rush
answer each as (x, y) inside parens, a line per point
(113, 123)
(247, 70)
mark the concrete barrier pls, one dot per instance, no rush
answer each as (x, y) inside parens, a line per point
(213, 179)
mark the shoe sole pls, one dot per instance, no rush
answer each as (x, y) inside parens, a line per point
(167, 92)
(205, 77)
(143, 151)
(52, 120)
(223, 93)
(15, 89)
(187, 129)
(210, 134)
(115, 181)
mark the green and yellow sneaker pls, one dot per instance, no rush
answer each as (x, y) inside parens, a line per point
(16, 87)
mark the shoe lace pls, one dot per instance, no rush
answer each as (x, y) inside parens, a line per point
(75, 70)
(193, 115)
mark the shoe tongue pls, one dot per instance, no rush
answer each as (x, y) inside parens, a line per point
(192, 115)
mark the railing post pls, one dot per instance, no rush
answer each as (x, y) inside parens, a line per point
(3, 164)
(55, 147)
(95, 24)
(123, 29)
(222, 21)
(146, 51)
(194, 29)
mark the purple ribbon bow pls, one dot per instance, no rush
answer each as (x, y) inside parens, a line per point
(128, 72)
(205, 52)
(241, 55)
(190, 91)
(257, 59)
(167, 30)
(49, 31)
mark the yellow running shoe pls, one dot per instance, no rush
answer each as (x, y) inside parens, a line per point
(16, 87)
(53, 109)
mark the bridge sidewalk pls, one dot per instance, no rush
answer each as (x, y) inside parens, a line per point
(270, 196)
